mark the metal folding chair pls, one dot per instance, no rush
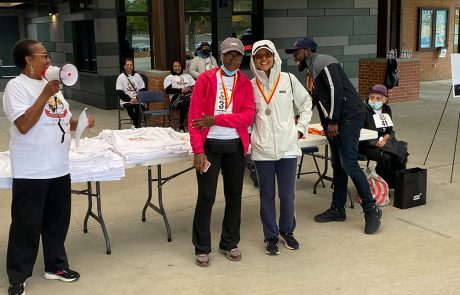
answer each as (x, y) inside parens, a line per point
(310, 151)
(121, 119)
(154, 96)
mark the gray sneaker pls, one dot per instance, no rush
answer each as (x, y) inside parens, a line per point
(202, 260)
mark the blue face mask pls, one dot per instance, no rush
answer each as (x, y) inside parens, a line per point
(376, 106)
(227, 72)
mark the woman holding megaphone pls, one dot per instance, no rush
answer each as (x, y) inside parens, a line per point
(39, 150)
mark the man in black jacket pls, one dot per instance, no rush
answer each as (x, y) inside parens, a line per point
(342, 114)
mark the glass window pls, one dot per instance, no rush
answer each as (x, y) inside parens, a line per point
(198, 25)
(136, 5)
(426, 23)
(197, 5)
(138, 36)
(433, 28)
(80, 5)
(197, 30)
(242, 29)
(134, 33)
(84, 46)
(242, 5)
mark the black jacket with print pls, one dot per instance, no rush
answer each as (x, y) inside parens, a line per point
(333, 94)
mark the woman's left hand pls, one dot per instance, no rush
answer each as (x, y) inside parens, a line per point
(91, 122)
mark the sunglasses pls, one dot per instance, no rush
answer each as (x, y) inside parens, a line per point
(229, 56)
(46, 55)
(262, 55)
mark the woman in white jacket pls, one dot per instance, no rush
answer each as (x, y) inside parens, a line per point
(275, 137)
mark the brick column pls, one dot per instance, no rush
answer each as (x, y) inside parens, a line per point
(373, 71)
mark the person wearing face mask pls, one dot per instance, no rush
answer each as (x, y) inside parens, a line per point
(389, 153)
(275, 137)
(179, 87)
(203, 61)
(221, 110)
(342, 114)
(41, 122)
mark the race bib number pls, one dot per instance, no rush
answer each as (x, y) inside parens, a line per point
(382, 120)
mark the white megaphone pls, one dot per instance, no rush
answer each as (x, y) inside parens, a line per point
(67, 74)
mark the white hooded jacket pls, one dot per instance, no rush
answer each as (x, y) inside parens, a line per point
(275, 136)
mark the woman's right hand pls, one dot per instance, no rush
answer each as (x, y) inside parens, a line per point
(51, 88)
(199, 162)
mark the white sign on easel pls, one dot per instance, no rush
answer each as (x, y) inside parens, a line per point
(455, 66)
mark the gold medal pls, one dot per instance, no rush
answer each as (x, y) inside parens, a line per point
(268, 112)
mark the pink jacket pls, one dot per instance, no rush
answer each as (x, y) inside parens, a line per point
(203, 101)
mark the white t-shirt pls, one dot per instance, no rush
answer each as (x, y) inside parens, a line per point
(38, 154)
(220, 132)
(178, 82)
(124, 85)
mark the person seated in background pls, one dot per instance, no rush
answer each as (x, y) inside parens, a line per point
(179, 87)
(129, 83)
(203, 61)
(389, 153)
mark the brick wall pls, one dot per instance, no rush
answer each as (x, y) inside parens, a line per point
(372, 71)
(432, 67)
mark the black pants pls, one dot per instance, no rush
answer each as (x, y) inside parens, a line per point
(233, 174)
(134, 113)
(39, 207)
(181, 102)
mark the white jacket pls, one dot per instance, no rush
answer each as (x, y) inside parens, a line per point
(275, 136)
(199, 64)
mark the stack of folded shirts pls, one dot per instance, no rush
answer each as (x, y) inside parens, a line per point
(95, 161)
(146, 144)
(5, 170)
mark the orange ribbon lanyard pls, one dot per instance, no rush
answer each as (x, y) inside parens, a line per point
(267, 100)
(227, 101)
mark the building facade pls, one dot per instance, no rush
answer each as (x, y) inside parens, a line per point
(96, 35)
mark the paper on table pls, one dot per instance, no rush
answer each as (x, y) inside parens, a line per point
(81, 125)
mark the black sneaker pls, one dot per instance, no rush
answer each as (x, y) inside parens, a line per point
(17, 289)
(271, 247)
(289, 241)
(372, 220)
(65, 275)
(331, 215)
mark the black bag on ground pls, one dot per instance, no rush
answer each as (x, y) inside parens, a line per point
(410, 188)
(223, 146)
(392, 74)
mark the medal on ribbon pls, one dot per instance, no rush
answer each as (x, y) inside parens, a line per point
(268, 112)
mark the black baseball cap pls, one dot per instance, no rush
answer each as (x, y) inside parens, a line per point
(302, 43)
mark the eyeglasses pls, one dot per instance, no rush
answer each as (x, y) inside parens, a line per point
(54, 109)
(262, 55)
(46, 55)
(228, 56)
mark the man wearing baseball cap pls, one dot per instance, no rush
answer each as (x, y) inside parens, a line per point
(221, 110)
(342, 114)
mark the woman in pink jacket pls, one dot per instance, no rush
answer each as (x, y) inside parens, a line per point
(221, 110)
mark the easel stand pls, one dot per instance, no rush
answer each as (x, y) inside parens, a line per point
(456, 136)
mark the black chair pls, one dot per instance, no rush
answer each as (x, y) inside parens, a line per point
(154, 96)
(310, 151)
